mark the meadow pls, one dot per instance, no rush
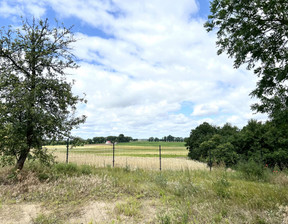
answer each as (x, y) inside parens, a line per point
(68, 193)
(98, 193)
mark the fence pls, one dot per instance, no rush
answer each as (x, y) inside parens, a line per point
(132, 157)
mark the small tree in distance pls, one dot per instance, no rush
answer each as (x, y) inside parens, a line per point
(36, 101)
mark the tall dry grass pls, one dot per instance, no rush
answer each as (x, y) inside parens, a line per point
(148, 163)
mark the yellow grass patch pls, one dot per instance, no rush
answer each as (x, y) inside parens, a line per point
(151, 163)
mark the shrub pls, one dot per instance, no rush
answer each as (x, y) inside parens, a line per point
(253, 170)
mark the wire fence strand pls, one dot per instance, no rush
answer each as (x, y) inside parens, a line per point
(132, 157)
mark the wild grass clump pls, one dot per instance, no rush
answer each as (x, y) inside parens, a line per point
(279, 178)
(72, 169)
(131, 207)
(221, 186)
(46, 219)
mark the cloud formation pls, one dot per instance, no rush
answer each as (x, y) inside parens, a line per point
(143, 62)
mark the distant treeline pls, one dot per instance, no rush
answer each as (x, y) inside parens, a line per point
(102, 140)
(265, 143)
(95, 140)
(168, 138)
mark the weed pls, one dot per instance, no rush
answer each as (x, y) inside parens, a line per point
(164, 218)
(259, 220)
(46, 219)
(129, 208)
(85, 169)
(221, 187)
(69, 169)
(127, 168)
(161, 180)
(185, 187)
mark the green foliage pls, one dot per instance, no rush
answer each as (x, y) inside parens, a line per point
(225, 153)
(207, 139)
(252, 170)
(45, 158)
(36, 102)
(265, 143)
(57, 170)
(7, 160)
(199, 135)
(255, 33)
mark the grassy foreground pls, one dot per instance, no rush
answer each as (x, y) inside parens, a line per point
(67, 193)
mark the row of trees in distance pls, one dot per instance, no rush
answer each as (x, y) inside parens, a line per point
(168, 138)
(120, 138)
(94, 140)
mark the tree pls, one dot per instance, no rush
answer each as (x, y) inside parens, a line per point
(256, 33)
(200, 134)
(99, 140)
(121, 138)
(225, 152)
(170, 138)
(111, 138)
(36, 101)
(89, 141)
(264, 143)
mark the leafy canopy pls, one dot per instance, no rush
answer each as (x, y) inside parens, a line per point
(264, 143)
(255, 33)
(36, 101)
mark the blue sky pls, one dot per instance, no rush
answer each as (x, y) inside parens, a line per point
(148, 68)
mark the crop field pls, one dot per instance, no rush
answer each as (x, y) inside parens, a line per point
(144, 155)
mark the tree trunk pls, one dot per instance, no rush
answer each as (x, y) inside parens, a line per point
(22, 159)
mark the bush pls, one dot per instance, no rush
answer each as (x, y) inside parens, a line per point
(69, 169)
(253, 170)
(57, 170)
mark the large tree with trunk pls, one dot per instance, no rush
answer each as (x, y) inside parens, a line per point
(36, 100)
(255, 33)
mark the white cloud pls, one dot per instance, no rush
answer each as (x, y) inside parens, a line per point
(6, 10)
(22, 8)
(157, 57)
(208, 109)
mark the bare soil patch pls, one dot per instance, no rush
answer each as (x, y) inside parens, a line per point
(19, 213)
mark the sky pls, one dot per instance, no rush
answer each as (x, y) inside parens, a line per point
(148, 68)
